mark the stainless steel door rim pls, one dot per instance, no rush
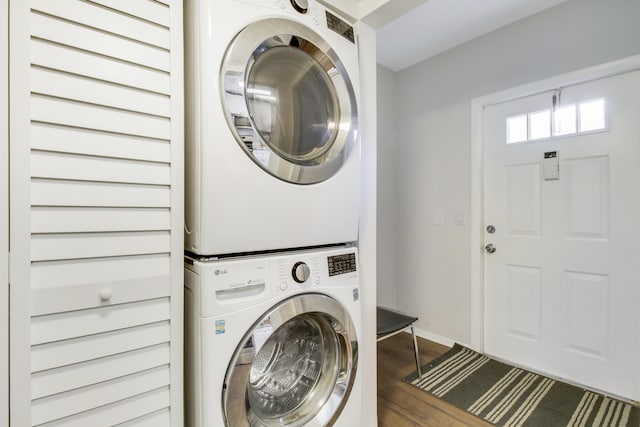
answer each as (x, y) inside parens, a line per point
(289, 101)
(295, 366)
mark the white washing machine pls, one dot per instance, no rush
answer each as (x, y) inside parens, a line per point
(273, 340)
(272, 144)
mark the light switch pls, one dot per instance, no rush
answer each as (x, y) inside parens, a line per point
(459, 218)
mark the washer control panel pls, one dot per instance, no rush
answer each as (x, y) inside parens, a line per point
(231, 281)
(313, 269)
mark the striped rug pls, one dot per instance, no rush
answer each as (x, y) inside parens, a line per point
(508, 396)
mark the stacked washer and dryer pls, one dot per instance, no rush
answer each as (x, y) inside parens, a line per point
(272, 309)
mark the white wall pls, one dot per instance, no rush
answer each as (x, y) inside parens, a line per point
(433, 129)
(386, 266)
(433, 259)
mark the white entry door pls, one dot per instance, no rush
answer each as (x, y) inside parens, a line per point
(562, 288)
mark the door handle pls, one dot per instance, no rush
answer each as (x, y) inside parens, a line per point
(490, 248)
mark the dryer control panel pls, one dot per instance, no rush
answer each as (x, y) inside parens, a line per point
(313, 12)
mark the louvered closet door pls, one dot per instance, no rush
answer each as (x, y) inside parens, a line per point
(101, 109)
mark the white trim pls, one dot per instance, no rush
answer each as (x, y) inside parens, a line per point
(436, 338)
(476, 220)
(601, 71)
(367, 240)
(177, 214)
(4, 216)
(19, 215)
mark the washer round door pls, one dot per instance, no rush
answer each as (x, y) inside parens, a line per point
(289, 101)
(295, 366)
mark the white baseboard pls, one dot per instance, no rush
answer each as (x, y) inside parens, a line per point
(438, 338)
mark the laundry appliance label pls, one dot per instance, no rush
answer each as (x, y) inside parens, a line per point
(220, 327)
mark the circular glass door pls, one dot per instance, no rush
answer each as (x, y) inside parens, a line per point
(295, 367)
(289, 101)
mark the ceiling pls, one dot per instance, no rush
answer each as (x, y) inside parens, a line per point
(438, 25)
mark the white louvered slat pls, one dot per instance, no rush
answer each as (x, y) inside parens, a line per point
(104, 19)
(79, 297)
(70, 220)
(84, 399)
(59, 111)
(88, 64)
(85, 38)
(68, 86)
(74, 324)
(151, 11)
(157, 419)
(77, 167)
(46, 247)
(76, 350)
(78, 193)
(77, 284)
(118, 412)
(93, 143)
(95, 271)
(66, 378)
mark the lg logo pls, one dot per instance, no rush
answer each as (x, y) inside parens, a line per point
(219, 271)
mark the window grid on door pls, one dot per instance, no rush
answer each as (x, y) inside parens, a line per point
(561, 121)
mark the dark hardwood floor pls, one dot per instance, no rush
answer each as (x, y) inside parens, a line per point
(400, 404)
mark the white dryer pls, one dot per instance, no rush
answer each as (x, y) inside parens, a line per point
(272, 341)
(272, 144)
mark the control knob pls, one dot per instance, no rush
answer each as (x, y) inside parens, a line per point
(300, 5)
(300, 272)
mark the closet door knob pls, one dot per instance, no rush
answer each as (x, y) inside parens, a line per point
(105, 294)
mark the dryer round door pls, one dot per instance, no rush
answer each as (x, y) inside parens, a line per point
(289, 101)
(295, 366)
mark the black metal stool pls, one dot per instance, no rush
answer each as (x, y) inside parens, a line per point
(391, 322)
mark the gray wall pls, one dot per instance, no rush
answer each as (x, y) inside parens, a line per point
(430, 137)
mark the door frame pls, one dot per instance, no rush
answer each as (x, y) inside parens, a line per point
(4, 218)
(19, 215)
(478, 105)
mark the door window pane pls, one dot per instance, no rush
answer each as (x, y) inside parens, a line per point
(516, 129)
(592, 115)
(286, 368)
(564, 120)
(293, 103)
(540, 124)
